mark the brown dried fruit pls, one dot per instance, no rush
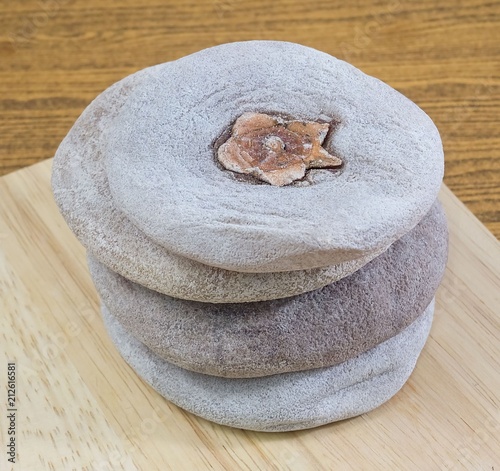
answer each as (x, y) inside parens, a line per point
(274, 150)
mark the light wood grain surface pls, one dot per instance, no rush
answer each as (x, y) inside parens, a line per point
(57, 55)
(80, 407)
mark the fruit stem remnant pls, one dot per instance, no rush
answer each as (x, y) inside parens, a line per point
(275, 150)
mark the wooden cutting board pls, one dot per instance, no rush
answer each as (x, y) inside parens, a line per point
(80, 406)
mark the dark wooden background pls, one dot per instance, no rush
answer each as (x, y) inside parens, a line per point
(57, 55)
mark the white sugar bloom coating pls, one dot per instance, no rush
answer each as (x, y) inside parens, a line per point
(82, 193)
(284, 402)
(163, 174)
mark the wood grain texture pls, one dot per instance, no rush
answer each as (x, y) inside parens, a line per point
(80, 407)
(57, 55)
